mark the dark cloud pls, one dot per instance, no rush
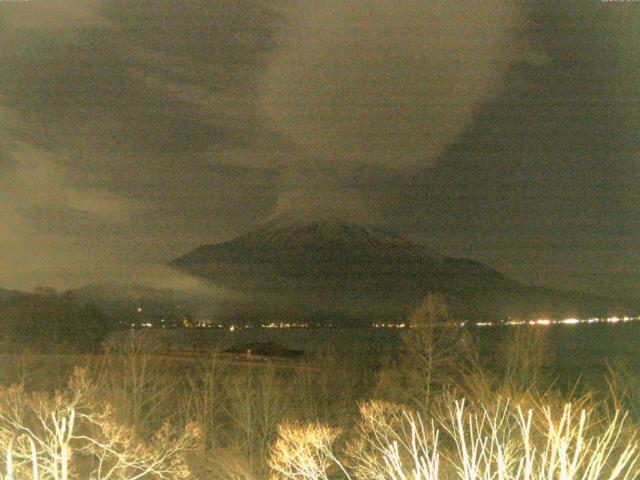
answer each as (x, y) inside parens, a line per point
(86, 90)
(543, 184)
(233, 35)
(136, 107)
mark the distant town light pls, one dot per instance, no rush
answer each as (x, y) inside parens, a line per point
(570, 321)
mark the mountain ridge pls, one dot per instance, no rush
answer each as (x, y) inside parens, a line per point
(300, 237)
(332, 268)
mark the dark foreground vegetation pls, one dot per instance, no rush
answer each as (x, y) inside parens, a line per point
(46, 321)
(440, 408)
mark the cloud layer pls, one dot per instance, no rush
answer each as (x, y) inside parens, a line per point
(384, 82)
(131, 132)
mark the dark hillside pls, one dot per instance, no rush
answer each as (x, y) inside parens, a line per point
(331, 270)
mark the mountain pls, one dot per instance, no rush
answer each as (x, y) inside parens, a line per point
(10, 295)
(142, 304)
(326, 270)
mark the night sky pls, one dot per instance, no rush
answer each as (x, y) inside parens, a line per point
(133, 131)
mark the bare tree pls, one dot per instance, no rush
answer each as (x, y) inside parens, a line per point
(72, 434)
(136, 379)
(433, 357)
(205, 398)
